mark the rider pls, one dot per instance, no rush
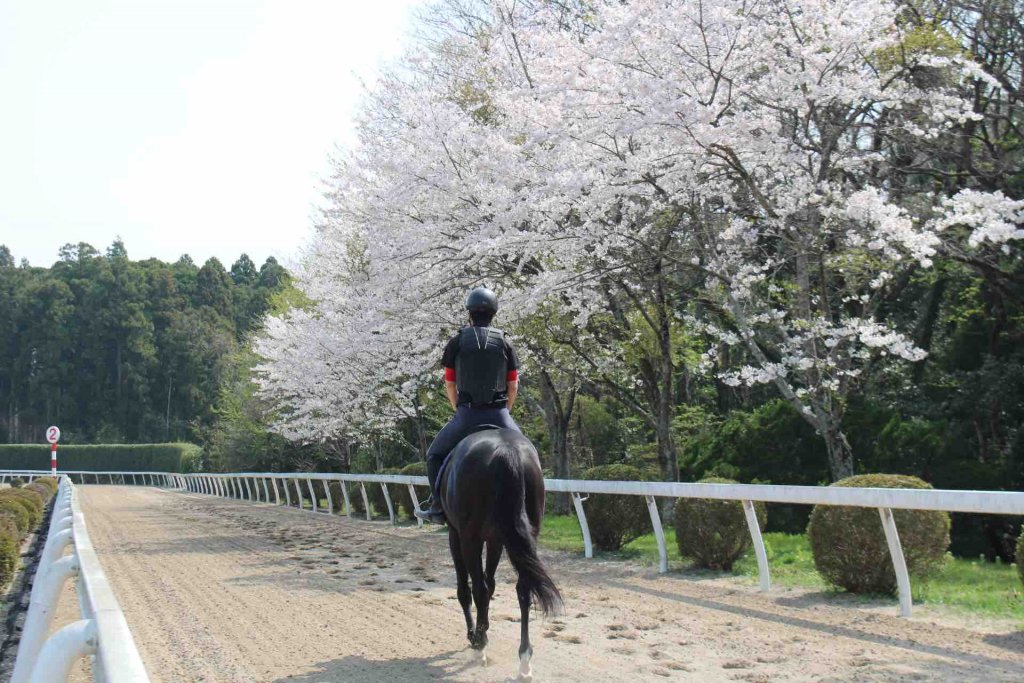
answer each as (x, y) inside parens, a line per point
(481, 377)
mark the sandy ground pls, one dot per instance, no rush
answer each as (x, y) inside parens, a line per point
(216, 590)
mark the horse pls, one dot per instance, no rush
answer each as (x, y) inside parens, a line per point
(492, 492)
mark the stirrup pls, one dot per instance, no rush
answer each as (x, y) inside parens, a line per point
(427, 514)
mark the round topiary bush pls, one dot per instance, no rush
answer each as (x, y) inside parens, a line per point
(18, 515)
(416, 469)
(10, 545)
(17, 483)
(337, 497)
(714, 533)
(355, 497)
(29, 500)
(1020, 554)
(849, 544)
(615, 520)
(376, 494)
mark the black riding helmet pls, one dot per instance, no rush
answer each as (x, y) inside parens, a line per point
(482, 300)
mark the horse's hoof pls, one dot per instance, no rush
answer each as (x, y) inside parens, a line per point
(525, 671)
(481, 657)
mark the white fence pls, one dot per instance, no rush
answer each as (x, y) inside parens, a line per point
(101, 633)
(264, 487)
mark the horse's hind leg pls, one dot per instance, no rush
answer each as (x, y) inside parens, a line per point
(462, 578)
(472, 553)
(493, 558)
(525, 649)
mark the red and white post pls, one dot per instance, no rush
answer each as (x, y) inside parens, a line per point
(53, 436)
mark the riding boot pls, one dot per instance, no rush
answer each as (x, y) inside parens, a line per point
(431, 510)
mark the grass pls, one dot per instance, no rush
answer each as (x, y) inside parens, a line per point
(974, 586)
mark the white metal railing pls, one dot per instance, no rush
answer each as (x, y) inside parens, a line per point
(168, 479)
(263, 487)
(101, 633)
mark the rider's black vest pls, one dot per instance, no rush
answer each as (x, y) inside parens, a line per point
(481, 367)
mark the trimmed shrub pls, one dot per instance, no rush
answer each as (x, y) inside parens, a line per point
(1020, 554)
(714, 532)
(376, 494)
(17, 483)
(30, 500)
(416, 469)
(16, 512)
(849, 544)
(10, 549)
(50, 483)
(145, 457)
(615, 520)
(42, 489)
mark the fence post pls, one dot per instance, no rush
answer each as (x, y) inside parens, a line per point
(659, 533)
(277, 495)
(755, 536)
(330, 501)
(298, 493)
(387, 499)
(588, 546)
(899, 564)
(287, 493)
(40, 614)
(415, 503)
(312, 493)
(63, 649)
(266, 491)
(366, 501)
(249, 484)
(344, 493)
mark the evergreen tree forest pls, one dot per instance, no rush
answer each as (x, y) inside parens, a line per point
(120, 351)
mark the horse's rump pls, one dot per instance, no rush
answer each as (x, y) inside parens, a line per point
(494, 490)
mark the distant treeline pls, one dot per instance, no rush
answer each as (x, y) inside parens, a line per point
(114, 350)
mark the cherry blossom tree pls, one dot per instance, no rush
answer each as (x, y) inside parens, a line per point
(655, 170)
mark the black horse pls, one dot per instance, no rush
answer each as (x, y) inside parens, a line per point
(492, 492)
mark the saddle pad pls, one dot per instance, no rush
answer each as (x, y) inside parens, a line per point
(448, 458)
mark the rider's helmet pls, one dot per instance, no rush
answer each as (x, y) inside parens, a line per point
(482, 300)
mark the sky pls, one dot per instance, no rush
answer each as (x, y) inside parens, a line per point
(200, 127)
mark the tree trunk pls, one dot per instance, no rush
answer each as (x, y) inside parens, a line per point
(421, 431)
(167, 412)
(557, 415)
(840, 455)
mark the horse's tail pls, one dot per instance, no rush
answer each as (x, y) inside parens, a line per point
(516, 532)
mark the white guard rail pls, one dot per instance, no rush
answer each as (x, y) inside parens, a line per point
(101, 633)
(254, 486)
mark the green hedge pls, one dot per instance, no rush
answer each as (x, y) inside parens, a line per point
(145, 457)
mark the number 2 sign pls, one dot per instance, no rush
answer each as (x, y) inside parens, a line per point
(53, 434)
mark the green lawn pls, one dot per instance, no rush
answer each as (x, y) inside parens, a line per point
(966, 585)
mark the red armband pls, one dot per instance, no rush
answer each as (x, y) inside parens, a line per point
(512, 376)
(449, 374)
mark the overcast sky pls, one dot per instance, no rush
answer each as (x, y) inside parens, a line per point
(199, 127)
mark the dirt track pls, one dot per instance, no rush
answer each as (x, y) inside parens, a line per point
(216, 590)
